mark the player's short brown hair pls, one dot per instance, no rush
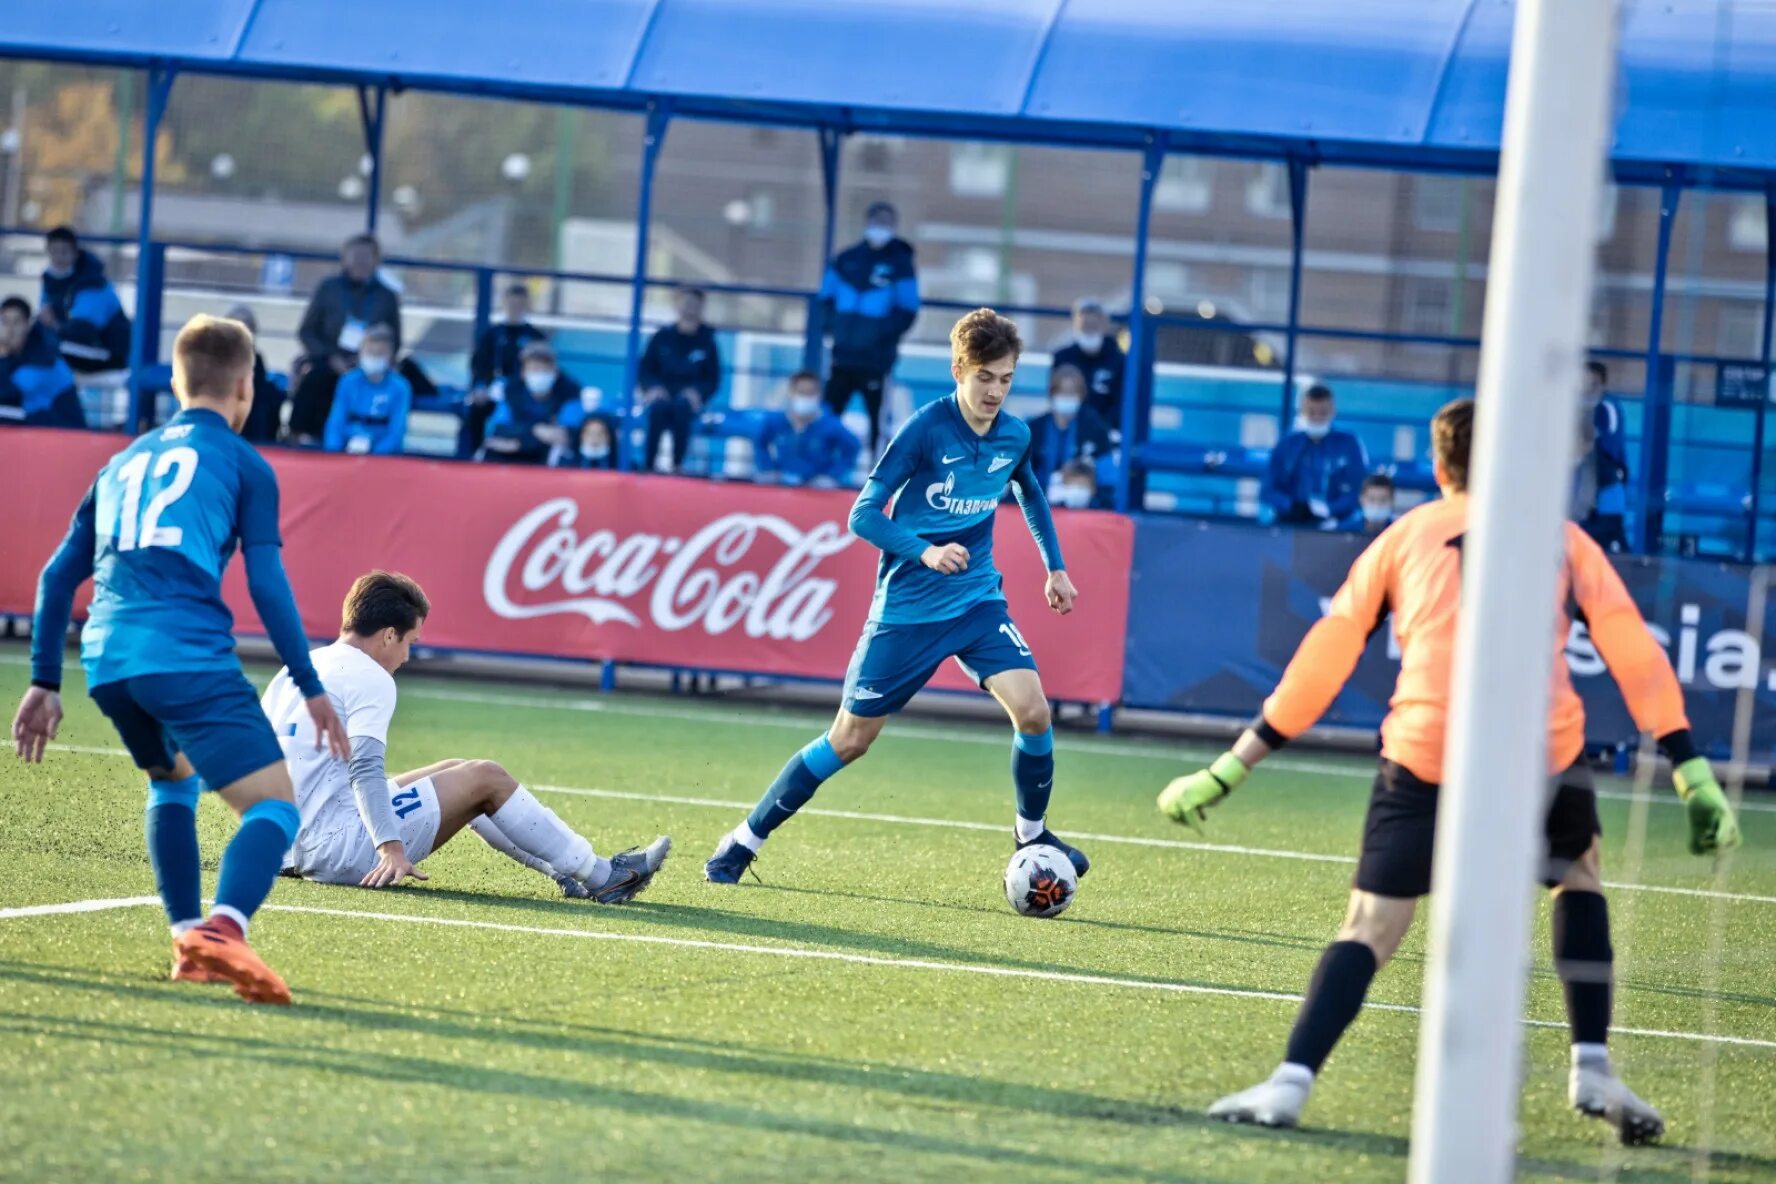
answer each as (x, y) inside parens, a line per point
(1452, 440)
(210, 356)
(984, 336)
(381, 600)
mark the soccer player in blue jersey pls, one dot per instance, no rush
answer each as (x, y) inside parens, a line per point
(929, 506)
(155, 533)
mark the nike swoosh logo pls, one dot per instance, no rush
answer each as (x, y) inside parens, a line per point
(865, 693)
(950, 460)
(999, 462)
(1045, 784)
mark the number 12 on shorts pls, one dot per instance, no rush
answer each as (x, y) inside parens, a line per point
(405, 802)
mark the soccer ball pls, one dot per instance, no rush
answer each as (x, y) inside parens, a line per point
(1040, 881)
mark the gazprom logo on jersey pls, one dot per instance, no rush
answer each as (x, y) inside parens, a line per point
(938, 495)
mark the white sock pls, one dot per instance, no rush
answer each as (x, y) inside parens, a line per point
(181, 928)
(496, 838)
(1289, 1073)
(535, 829)
(1592, 1056)
(600, 874)
(1027, 830)
(233, 914)
(743, 835)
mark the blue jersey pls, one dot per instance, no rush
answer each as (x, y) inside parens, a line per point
(946, 482)
(155, 532)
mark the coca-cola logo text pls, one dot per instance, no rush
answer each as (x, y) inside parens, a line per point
(703, 580)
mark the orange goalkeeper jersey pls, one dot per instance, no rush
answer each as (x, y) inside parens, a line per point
(1413, 572)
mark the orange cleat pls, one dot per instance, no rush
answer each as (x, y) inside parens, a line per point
(187, 971)
(216, 950)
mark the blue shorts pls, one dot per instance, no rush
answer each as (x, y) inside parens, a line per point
(894, 662)
(212, 716)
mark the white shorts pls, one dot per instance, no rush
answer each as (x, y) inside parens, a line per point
(336, 849)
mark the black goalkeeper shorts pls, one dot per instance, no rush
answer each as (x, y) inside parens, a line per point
(1400, 832)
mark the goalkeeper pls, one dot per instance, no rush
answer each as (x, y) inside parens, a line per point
(1413, 571)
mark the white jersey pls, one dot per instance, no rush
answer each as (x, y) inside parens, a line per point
(363, 694)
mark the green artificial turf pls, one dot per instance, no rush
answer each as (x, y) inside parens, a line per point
(944, 1038)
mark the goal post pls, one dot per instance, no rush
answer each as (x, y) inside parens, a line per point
(1551, 175)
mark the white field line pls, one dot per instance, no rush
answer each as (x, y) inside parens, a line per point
(1140, 750)
(958, 824)
(77, 906)
(1144, 749)
(1086, 836)
(820, 955)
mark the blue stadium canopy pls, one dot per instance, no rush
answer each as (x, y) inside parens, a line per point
(1399, 83)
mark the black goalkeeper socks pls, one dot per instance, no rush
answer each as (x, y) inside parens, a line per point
(1585, 962)
(1334, 996)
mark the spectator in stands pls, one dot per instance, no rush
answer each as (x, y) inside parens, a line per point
(808, 444)
(496, 356)
(80, 306)
(1095, 353)
(1071, 430)
(1600, 479)
(596, 446)
(680, 373)
(339, 315)
(1075, 486)
(1377, 504)
(370, 406)
(266, 419)
(527, 423)
(36, 384)
(869, 299)
(1316, 470)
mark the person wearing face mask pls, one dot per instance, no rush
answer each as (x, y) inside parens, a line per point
(869, 298)
(595, 447)
(808, 444)
(1071, 430)
(339, 315)
(1094, 352)
(1316, 470)
(1377, 504)
(265, 418)
(527, 424)
(496, 356)
(1075, 486)
(36, 385)
(1600, 475)
(369, 412)
(81, 307)
(680, 372)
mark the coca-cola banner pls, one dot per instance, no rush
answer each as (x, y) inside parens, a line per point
(658, 570)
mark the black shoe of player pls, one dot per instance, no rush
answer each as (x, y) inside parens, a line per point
(1074, 855)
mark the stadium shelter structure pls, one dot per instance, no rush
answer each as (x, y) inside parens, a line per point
(1405, 85)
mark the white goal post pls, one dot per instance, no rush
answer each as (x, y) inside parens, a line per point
(1551, 176)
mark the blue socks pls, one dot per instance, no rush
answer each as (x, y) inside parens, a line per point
(171, 828)
(1033, 773)
(253, 858)
(794, 786)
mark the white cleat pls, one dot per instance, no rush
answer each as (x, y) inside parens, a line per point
(1601, 1094)
(1276, 1102)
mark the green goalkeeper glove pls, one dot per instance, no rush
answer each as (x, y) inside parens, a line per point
(1712, 825)
(1187, 799)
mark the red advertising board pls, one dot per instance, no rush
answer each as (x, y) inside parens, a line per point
(661, 570)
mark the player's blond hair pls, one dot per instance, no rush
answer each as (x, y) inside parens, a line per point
(210, 356)
(984, 336)
(1452, 440)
